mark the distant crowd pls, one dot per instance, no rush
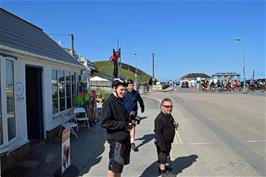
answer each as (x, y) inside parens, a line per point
(233, 85)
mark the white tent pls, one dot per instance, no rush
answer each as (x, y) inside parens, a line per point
(97, 78)
(97, 82)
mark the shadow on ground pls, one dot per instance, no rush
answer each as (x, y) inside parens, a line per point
(145, 139)
(178, 165)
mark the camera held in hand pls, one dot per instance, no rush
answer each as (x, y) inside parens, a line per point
(133, 116)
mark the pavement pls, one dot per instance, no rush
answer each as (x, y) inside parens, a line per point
(88, 151)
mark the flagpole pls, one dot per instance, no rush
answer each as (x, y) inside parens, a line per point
(119, 60)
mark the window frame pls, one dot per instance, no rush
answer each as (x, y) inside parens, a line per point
(72, 101)
(3, 101)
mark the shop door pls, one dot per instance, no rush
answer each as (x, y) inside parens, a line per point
(34, 101)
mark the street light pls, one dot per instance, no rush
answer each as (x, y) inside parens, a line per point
(136, 67)
(244, 65)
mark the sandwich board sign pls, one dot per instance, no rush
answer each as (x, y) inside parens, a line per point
(65, 150)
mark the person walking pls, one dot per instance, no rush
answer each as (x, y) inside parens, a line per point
(131, 100)
(164, 130)
(116, 122)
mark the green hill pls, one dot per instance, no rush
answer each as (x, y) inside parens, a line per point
(127, 71)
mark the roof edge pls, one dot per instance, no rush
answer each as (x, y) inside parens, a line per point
(3, 47)
(20, 18)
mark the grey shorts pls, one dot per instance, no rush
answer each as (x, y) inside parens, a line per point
(119, 155)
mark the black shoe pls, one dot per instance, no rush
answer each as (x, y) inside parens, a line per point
(133, 147)
(168, 168)
(167, 174)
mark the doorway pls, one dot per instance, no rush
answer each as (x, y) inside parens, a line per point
(34, 102)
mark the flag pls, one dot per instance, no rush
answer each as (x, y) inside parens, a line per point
(114, 57)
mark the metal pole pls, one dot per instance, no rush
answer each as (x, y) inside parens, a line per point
(244, 63)
(136, 67)
(72, 44)
(119, 60)
(152, 65)
(244, 68)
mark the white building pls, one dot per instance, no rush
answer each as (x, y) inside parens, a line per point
(39, 81)
(193, 78)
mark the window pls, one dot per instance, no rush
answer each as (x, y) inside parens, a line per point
(64, 90)
(1, 119)
(55, 91)
(74, 88)
(68, 89)
(62, 102)
(11, 119)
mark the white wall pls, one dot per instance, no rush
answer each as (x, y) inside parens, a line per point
(50, 121)
(20, 101)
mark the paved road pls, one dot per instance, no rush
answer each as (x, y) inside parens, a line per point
(226, 130)
(222, 135)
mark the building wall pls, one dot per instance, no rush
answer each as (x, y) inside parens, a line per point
(50, 122)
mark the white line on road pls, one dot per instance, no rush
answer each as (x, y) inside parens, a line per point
(255, 141)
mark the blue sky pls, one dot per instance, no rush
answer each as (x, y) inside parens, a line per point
(186, 36)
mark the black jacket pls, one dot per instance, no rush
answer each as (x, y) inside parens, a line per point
(115, 119)
(164, 130)
(131, 100)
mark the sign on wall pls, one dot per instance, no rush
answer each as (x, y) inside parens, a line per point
(19, 91)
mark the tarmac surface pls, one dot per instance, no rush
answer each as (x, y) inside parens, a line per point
(219, 135)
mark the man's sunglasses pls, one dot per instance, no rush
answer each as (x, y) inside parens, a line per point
(168, 106)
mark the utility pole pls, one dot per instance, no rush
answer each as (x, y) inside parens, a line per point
(244, 64)
(152, 65)
(136, 76)
(253, 75)
(72, 44)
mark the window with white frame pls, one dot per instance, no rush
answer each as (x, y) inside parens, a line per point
(55, 101)
(74, 88)
(1, 118)
(10, 97)
(7, 101)
(64, 90)
(68, 90)
(62, 97)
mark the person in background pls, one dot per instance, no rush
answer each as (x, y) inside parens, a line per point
(165, 126)
(116, 122)
(131, 100)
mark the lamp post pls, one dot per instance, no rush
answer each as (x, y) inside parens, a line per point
(244, 64)
(136, 67)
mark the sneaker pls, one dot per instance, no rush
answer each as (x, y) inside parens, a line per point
(133, 147)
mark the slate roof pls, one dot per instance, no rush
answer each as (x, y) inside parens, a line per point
(194, 76)
(20, 34)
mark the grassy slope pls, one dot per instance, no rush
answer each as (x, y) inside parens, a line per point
(106, 67)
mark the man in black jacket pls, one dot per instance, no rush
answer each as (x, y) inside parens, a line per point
(116, 122)
(164, 134)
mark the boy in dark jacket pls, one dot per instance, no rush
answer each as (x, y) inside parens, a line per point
(131, 100)
(116, 122)
(164, 134)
